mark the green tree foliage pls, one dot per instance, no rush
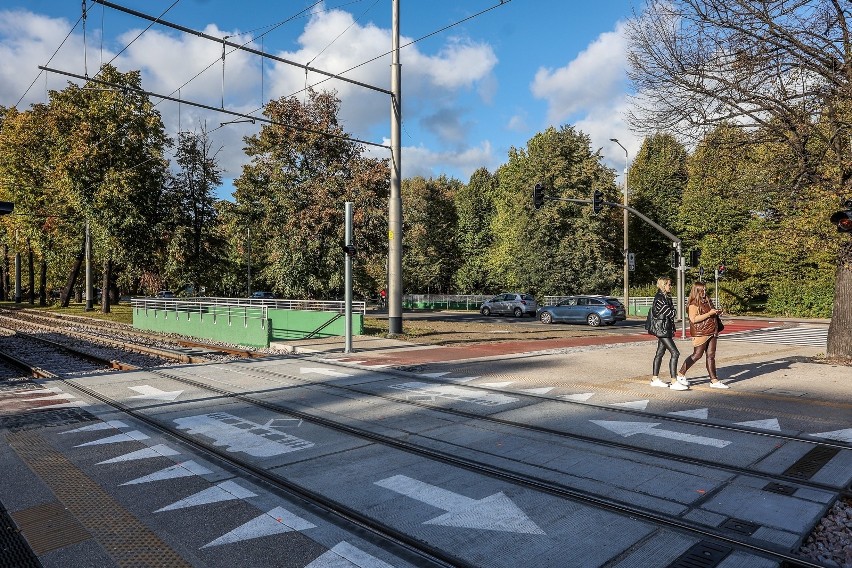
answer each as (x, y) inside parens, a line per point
(475, 209)
(292, 196)
(194, 249)
(431, 254)
(563, 248)
(657, 180)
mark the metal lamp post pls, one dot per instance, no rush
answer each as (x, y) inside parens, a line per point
(626, 246)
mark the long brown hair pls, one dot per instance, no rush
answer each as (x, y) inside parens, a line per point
(695, 293)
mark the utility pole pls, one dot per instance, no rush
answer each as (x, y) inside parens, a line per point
(626, 225)
(395, 205)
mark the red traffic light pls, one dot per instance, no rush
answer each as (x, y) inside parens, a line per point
(843, 221)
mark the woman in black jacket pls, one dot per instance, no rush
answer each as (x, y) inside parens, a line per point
(663, 309)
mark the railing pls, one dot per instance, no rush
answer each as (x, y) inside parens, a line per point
(445, 301)
(194, 304)
(185, 309)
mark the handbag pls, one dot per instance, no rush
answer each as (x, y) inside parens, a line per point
(719, 325)
(655, 326)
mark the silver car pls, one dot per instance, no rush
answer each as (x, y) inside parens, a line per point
(512, 303)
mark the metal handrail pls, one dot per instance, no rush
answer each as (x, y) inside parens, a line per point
(196, 304)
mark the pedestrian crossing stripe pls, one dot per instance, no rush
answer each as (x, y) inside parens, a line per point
(804, 336)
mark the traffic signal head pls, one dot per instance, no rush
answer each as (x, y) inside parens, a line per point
(538, 196)
(694, 256)
(843, 219)
(674, 261)
(597, 201)
(6, 207)
(348, 249)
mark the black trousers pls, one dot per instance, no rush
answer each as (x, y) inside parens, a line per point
(666, 344)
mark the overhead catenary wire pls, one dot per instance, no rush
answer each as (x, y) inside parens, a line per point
(208, 107)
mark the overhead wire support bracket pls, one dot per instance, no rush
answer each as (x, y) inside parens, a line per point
(237, 46)
(212, 108)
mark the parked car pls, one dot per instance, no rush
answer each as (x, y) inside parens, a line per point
(262, 295)
(592, 310)
(165, 294)
(511, 303)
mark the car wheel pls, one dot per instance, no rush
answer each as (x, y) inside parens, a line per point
(545, 317)
(593, 320)
(485, 311)
(518, 312)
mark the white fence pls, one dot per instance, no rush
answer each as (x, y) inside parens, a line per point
(259, 305)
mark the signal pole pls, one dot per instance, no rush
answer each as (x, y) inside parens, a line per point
(395, 205)
(626, 245)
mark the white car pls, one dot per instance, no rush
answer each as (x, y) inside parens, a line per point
(511, 303)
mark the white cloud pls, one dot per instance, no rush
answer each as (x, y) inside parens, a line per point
(589, 81)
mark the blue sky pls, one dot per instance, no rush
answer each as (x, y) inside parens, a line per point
(469, 93)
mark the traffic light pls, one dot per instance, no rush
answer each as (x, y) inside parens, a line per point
(843, 219)
(694, 255)
(349, 249)
(597, 201)
(538, 196)
(722, 269)
(674, 261)
(6, 207)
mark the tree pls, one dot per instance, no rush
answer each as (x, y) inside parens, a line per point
(431, 255)
(292, 193)
(657, 177)
(475, 209)
(779, 67)
(563, 248)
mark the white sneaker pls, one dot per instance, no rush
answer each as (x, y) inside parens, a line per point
(719, 385)
(656, 382)
(682, 380)
(676, 386)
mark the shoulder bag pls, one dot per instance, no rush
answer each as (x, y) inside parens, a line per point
(704, 327)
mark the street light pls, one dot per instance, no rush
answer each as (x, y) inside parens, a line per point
(626, 247)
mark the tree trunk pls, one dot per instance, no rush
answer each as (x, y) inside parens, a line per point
(105, 286)
(840, 331)
(42, 288)
(72, 278)
(113, 290)
(31, 279)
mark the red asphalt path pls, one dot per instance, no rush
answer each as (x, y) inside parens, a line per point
(441, 354)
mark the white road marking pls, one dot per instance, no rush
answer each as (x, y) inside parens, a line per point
(241, 435)
(844, 435)
(697, 413)
(344, 555)
(542, 390)
(582, 397)
(158, 451)
(153, 393)
(225, 491)
(637, 404)
(183, 469)
(109, 425)
(768, 424)
(433, 375)
(132, 436)
(323, 371)
(74, 404)
(496, 385)
(278, 520)
(452, 392)
(496, 512)
(632, 428)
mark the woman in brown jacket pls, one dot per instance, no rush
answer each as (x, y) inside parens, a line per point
(703, 326)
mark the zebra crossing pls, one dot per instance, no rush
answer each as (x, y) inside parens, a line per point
(804, 336)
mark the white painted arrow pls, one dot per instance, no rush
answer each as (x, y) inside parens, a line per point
(323, 371)
(132, 436)
(433, 375)
(631, 428)
(496, 512)
(153, 393)
(344, 555)
(499, 385)
(844, 435)
(278, 520)
(108, 425)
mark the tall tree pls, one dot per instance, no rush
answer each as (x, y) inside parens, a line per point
(563, 248)
(303, 169)
(657, 179)
(475, 209)
(780, 65)
(431, 255)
